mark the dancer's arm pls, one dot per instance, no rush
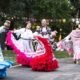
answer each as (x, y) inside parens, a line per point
(2, 29)
(68, 37)
(18, 31)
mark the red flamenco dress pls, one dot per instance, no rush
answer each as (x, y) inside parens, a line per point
(42, 59)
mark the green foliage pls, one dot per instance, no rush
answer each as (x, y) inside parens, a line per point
(51, 9)
(16, 7)
(61, 54)
(37, 8)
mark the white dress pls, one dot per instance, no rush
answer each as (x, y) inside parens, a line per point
(25, 39)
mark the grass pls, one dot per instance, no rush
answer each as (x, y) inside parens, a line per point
(61, 54)
(10, 55)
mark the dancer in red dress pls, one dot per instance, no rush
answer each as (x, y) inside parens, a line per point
(42, 59)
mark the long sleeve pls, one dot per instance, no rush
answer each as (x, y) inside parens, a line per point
(67, 37)
(2, 29)
(27, 34)
(19, 31)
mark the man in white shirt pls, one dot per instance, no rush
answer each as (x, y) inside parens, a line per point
(5, 26)
(44, 30)
(3, 30)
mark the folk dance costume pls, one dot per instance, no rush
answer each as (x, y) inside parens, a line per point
(42, 59)
(75, 37)
(45, 32)
(3, 64)
(65, 44)
(22, 46)
(73, 44)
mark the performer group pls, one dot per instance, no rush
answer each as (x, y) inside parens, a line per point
(35, 50)
(43, 58)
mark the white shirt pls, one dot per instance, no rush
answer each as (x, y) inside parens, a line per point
(25, 33)
(44, 30)
(2, 29)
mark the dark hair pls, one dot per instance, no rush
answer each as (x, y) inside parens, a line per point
(27, 22)
(76, 26)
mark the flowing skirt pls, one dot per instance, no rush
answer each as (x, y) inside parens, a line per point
(42, 59)
(76, 49)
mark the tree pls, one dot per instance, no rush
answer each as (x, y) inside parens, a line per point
(37, 8)
(76, 4)
(17, 7)
(4, 7)
(51, 9)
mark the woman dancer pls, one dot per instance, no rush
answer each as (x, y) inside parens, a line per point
(73, 40)
(42, 59)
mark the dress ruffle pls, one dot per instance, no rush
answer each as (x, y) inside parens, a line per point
(38, 62)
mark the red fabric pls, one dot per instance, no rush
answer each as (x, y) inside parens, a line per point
(21, 57)
(45, 62)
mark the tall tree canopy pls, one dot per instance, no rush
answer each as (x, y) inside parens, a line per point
(37, 8)
(52, 9)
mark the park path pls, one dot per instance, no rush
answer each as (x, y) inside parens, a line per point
(67, 71)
